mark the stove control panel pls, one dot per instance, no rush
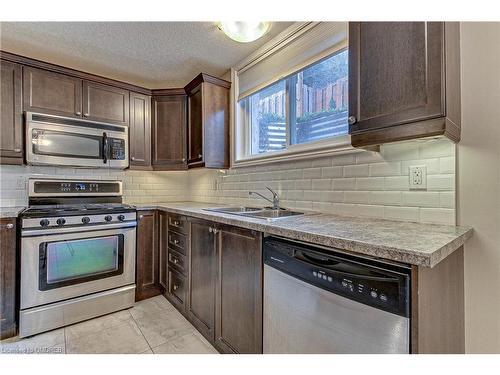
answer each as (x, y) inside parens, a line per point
(41, 188)
(78, 220)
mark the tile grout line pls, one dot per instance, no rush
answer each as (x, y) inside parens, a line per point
(140, 330)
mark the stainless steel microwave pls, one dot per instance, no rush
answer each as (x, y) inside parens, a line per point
(56, 140)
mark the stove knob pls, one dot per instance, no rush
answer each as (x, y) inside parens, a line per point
(85, 220)
(44, 222)
(108, 218)
(121, 217)
(61, 222)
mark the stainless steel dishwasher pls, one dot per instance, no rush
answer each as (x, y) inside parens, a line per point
(322, 301)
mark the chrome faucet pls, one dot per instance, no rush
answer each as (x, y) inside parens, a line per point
(275, 201)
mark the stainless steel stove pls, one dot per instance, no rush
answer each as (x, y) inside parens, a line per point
(77, 253)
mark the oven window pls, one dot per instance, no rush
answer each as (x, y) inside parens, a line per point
(48, 142)
(69, 262)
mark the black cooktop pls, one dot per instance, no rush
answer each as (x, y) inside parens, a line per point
(78, 209)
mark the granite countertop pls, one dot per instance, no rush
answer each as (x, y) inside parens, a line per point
(7, 212)
(412, 243)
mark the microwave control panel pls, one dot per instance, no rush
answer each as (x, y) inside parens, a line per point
(116, 149)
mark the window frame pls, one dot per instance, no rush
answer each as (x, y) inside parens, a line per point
(241, 130)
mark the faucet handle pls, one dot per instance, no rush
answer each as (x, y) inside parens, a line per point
(272, 191)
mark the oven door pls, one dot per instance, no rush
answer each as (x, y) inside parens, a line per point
(58, 266)
(53, 140)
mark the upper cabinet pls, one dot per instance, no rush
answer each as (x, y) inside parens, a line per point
(169, 130)
(11, 116)
(140, 131)
(105, 103)
(208, 122)
(404, 81)
(52, 93)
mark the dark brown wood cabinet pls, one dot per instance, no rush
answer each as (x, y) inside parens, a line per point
(404, 81)
(140, 131)
(169, 132)
(11, 115)
(8, 288)
(208, 122)
(238, 311)
(202, 277)
(147, 256)
(105, 103)
(51, 93)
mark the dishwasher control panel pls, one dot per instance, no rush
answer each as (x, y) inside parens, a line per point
(367, 281)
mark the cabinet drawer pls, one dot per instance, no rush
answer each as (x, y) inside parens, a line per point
(177, 260)
(177, 224)
(178, 242)
(177, 289)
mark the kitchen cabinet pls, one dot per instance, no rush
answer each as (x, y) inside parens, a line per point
(208, 122)
(105, 103)
(404, 81)
(163, 248)
(202, 277)
(238, 324)
(8, 288)
(169, 132)
(52, 93)
(11, 115)
(147, 256)
(140, 131)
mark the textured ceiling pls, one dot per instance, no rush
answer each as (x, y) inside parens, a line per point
(149, 54)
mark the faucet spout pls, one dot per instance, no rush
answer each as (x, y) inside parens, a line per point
(275, 201)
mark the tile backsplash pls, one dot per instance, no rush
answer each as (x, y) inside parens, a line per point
(357, 184)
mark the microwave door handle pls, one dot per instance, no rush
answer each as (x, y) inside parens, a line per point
(104, 148)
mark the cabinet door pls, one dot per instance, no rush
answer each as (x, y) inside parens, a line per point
(11, 116)
(396, 73)
(7, 278)
(169, 132)
(52, 93)
(195, 126)
(163, 247)
(140, 130)
(202, 263)
(239, 291)
(147, 261)
(105, 103)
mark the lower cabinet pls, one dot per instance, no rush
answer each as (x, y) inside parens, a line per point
(202, 277)
(8, 268)
(147, 256)
(163, 249)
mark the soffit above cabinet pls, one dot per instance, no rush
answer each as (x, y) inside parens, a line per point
(128, 51)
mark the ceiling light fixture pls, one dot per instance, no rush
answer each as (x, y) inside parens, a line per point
(244, 32)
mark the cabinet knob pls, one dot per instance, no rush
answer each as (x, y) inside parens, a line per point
(216, 231)
(175, 261)
(132, 158)
(85, 115)
(78, 113)
(210, 229)
(17, 150)
(176, 242)
(352, 120)
(8, 226)
(200, 155)
(176, 222)
(176, 287)
(141, 216)
(183, 160)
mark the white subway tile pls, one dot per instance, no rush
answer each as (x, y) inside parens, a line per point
(420, 199)
(344, 183)
(370, 183)
(399, 151)
(397, 183)
(436, 148)
(357, 197)
(447, 199)
(437, 216)
(447, 165)
(386, 169)
(324, 162)
(390, 198)
(312, 173)
(303, 184)
(324, 184)
(330, 172)
(356, 170)
(401, 213)
(441, 182)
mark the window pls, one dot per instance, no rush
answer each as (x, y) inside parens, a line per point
(306, 107)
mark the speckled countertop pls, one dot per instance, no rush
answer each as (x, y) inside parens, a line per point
(6, 212)
(413, 243)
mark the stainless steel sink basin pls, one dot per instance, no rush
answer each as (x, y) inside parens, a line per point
(258, 213)
(233, 210)
(273, 214)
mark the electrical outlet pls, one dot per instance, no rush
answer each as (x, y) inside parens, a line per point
(418, 177)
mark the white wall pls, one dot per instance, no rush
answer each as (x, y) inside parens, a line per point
(479, 183)
(362, 184)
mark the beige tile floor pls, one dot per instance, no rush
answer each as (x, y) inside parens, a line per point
(151, 326)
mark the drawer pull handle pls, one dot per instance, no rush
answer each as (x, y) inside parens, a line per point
(8, 226)
(85, 115)
(176, 242)
(210, 229)
(176, 222)
(17, 150)
(175, 261)
(78, 113)
(176, 287)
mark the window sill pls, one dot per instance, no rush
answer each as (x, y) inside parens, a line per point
(342, 145)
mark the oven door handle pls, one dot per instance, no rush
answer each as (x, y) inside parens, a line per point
(104, 148)
(65, 230)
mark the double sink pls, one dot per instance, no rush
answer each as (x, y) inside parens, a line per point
(269, 214)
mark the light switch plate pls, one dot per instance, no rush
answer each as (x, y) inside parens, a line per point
(418, 177)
